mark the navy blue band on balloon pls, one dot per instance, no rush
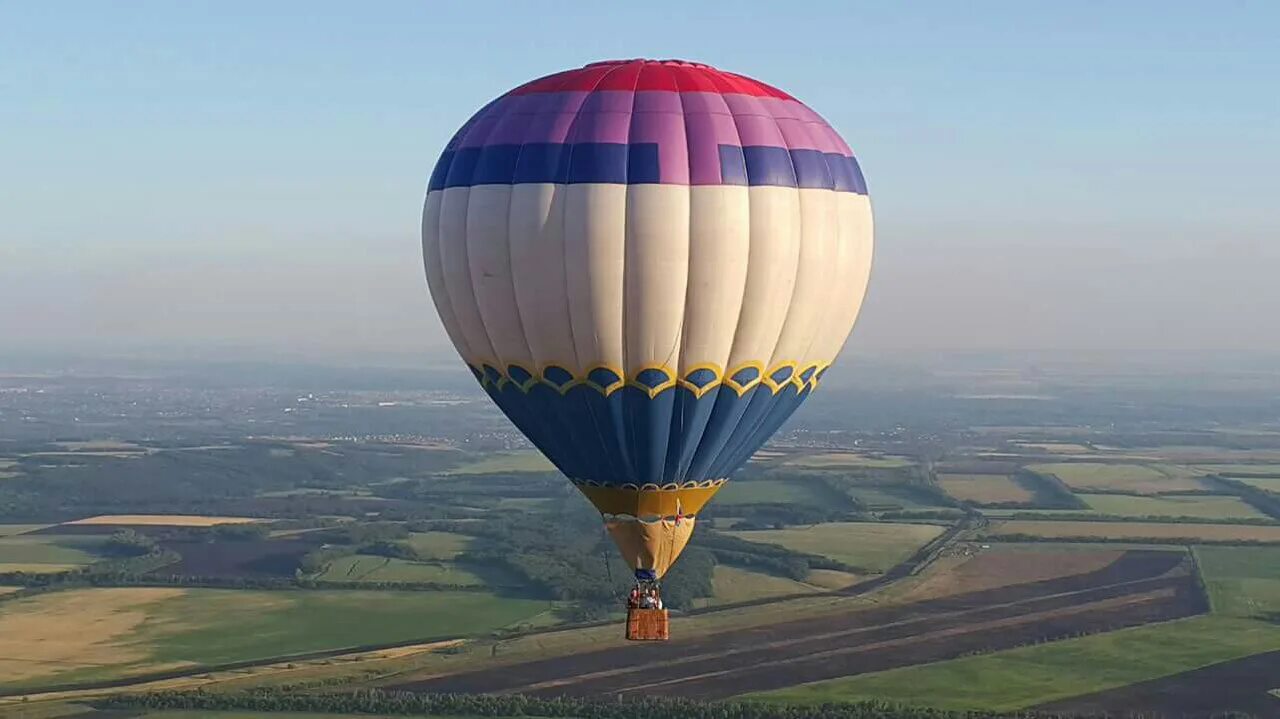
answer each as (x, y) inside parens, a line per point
(637, 163)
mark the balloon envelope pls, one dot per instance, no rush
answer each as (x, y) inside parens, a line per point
(648, 265)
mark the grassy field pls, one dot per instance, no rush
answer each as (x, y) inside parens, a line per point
(733, 584)
(1242, 581)
(37, 567)
(163, 520)
(1270, 484)
(878, 497)
(1020, 678)
(1203, 506)
(1142, 478)
(439, 545)
(12, 530)
(506, 462)
(1055, 447)
(873, 546)
(984, 488)
(63, 551)
(837, 460)
(772, 491)
(1135, 530)
(1230, 470)
(361, 568)
(86, 634)
(260, 715)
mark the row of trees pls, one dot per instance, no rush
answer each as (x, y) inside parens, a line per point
(481, 705)
(1017, 537)
(1151, 518)
(1266, 502)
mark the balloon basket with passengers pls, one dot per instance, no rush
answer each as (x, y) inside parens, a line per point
(648, 265)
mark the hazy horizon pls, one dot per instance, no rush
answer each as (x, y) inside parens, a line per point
(179, 179)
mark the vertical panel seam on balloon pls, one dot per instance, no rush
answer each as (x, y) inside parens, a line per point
(582, 366)
(732, 448)
(466, 214)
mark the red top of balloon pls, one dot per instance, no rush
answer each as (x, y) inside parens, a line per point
(642, 75)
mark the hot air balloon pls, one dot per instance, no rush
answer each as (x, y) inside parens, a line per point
(648, 265)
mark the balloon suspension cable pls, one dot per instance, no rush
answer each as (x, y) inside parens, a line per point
(608, 567)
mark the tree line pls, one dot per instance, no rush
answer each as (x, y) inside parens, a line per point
(1017, 537)
(373, 701)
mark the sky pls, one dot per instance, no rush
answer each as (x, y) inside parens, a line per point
(247, 178)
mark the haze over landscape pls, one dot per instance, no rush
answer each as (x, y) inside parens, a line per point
(244, 473)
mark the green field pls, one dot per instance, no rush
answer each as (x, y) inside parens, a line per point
(1269, 484)
(880, 497)
(985, 488)
(363, 568)
(1021, 678)
(1141, 478)
(776, 491)
(439, 545)
(1242, 581)
(66, 550)
(506, 462)
(12, 530)
(117, 632)
(260, 715)
(1134, 531)
(1202, 506)
(1229, 470)
(309, 621)
(875, 546)
(733, 584)
(839, 460)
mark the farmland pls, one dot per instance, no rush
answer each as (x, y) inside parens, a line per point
(1242, 581)
(1243, 470)
(1269, 484)
(1138, 478)
(1028, 676)
(841, 460)
(739, 585)
(798, 651)
(439, 545)
(403, 521)
(985, 488)
(879, 497)
(361, 568)
(27, 552)
(159, 520)
(254, 558)
(872, 546)
(119, 632)
(775, 491)
(12, 530)
(1135, 531)
(506, 462)
(998, 567)
(1198, 506)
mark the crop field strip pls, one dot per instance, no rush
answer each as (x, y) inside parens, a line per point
(1132, 590)
(1242, 685)
(985, 488)
(1134, 531)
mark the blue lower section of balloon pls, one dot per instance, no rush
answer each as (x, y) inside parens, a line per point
(630, 437)
(646, 575)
